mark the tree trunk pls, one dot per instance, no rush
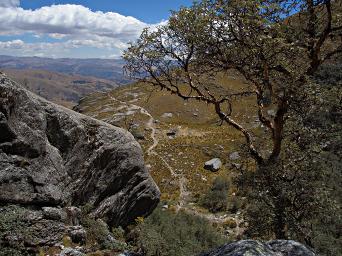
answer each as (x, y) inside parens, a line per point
(270, 171)
(279, 221)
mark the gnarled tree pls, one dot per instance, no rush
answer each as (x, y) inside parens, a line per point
(275, 45)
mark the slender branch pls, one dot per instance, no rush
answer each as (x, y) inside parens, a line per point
(248, 136)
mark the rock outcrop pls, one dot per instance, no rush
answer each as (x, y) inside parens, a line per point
(256, 248)
(52, 158)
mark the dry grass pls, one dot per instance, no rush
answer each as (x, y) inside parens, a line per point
(200, 136)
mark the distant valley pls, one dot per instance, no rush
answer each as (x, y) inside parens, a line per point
(60, 88)
(64, 81)
(110, 69)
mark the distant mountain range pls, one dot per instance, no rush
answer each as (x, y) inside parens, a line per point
(110, 69)
(60, 88)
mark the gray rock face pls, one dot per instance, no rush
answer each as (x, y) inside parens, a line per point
(213, 165)
(257, 248)
(53, 157)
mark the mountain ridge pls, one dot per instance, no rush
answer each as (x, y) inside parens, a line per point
(110, 69)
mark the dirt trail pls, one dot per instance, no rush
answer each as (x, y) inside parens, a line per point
(183, 192)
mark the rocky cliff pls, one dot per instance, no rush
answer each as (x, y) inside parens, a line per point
(53, 159)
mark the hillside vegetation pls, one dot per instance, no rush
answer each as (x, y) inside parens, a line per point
(178, 137)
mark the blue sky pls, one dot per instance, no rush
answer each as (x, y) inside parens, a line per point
(150, 11)
(79, 28)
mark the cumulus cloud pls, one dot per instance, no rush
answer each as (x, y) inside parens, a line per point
(74, 25)
(69, 20)
(9, 3)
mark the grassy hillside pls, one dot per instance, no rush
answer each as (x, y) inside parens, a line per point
(60, 88)
(178, 137)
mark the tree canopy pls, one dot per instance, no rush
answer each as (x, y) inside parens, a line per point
(273, 44)
(277, 47)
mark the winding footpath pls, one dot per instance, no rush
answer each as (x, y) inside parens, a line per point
(183, 191)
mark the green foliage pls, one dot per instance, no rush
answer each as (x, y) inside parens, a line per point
(303, 189)
(97, 230)
(277, 55)
(216, 198)
(99, 236)
(11, 252)
(171, 234)
(118, 233)
(12, 223)
(329, 74)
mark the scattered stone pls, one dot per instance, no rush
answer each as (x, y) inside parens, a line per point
(77, 234)
(234, 156)
(172, 132)
(167, 115)
(213, 165)
(71, 252)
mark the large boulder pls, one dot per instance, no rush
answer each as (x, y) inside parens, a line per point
(257, 248)
(51, 156)
(213, 165)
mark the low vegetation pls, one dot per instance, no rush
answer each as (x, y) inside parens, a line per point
(216, 199)
(165, 233)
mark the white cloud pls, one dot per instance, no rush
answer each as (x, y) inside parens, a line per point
(74, 25)
(61, 49)
(14, 44)
(9, 3)
(69, 20)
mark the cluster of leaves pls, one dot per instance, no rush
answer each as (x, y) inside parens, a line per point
(165, 233)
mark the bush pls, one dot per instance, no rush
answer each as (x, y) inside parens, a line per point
(167, 234)
(216, 198)
(12, 223)
(230, 223)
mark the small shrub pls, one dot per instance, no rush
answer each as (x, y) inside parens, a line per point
(165, 233)
(12, 221)
(235, 203)
(216, 198)
(97, 230)
(230, 223)
(118, 233)
(66, 240)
